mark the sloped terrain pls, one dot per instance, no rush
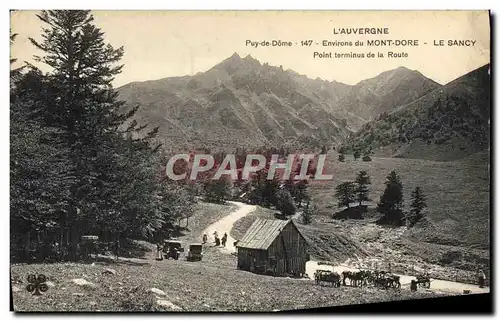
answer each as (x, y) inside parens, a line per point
(239, 102)
(243, 102)
(449, 123)
(458, 193)
(369, 98)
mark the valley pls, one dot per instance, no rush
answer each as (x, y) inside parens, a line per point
(434, 136)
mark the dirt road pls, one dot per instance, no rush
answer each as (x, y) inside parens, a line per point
(225, 225)
(436, 285)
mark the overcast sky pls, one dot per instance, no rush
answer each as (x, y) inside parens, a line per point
(161, 44)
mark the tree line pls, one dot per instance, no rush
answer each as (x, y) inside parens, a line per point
(286, 195)
(390, 204)
(79, 165)
(356, 153)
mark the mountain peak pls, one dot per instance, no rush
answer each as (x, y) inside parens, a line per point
(235, 62)
(249, 58)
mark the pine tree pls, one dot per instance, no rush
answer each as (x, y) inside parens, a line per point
(346, 194)
(362, 181)
(81, 103)
(301, 192)
(291, 186)
(285, 202)
(308, 212)
(39, 178)
(217, 190)
(418, 204)
(391, 201)
(38, 175)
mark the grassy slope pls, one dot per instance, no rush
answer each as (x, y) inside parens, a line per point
(200, 286)
(243, 224)
(457, 194)
(325, 243)
(458, 209)
(446, 124)
(210, 285)
(205, 214)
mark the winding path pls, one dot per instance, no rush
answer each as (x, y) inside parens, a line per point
(226, 224)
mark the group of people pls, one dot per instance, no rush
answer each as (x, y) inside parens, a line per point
(217, 240)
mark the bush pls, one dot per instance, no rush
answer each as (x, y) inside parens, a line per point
(450, 257)
(367, 158)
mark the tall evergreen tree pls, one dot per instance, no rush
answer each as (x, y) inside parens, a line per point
(309, 211)
(346, 194)
(418, 204)
(82, 105)
(301, 192)
(38, 169)
(391, 201)
(217, 190)
(285, 202)
(362, 181)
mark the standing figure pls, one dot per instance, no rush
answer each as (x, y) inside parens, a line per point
(159, 252)
(205, 238)
(224, 239)
(216, 236)
(482, 278)
(117, 247)
(217, 241)
(413, 285)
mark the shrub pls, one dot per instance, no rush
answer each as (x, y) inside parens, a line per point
(451, 256)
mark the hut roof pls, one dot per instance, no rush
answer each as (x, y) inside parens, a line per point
(262, 233)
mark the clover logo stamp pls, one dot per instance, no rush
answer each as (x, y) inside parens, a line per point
(36, 284)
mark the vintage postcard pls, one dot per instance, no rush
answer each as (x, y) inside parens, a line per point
(244, 161)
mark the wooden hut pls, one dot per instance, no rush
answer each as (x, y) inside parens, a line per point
(274, 247)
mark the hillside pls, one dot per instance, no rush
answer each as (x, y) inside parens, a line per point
(240, 102)
(383, 93)
(458, 193)
(448, 123)
(243, 102)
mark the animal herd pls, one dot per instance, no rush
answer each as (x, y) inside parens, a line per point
(358, 278)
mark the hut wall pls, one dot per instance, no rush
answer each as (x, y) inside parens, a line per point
(289, 251)
(251, 258)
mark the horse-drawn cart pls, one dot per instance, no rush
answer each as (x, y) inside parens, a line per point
(328, 277)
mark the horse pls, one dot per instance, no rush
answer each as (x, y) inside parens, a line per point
(393, 280)
(354, 277)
